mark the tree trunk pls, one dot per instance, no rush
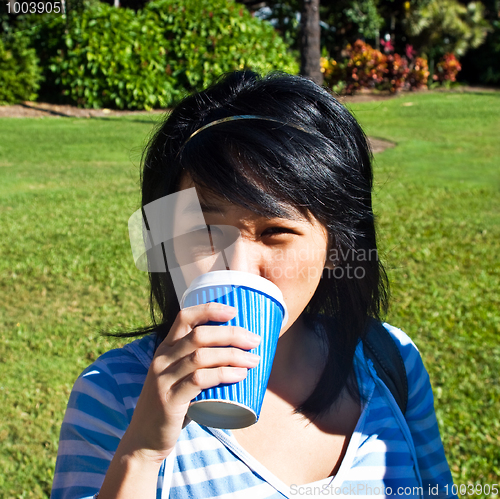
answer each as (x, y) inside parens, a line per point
(310, 47)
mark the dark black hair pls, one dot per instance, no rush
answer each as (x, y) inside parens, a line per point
(315, 158)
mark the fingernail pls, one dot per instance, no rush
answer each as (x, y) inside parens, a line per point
(240, 371)
(226, 308)
(254, 338)
(253, 358)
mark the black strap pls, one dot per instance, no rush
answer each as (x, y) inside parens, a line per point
(380, 347)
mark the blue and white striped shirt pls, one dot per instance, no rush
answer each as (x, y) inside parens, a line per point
(388, 453)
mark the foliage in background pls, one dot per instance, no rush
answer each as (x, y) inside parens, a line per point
(108, 57)
(433, 27)
(206, 38)
(285, 19)
(341, 22)
(19, 70)
(482, 65)
(364, 15)
(419, 73)
(469, 29)
(119, 58)
(437, 27)
(447, 69)
(397, 73)
(364, 67)
(104, 57)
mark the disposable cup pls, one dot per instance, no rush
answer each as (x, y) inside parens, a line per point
(261, 310)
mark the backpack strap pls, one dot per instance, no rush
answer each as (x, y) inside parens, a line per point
(380, 347)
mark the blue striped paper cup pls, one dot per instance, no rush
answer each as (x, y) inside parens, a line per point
(261, 310)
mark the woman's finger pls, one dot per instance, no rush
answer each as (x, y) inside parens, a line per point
(210, 336)
(188, 318)
(207, 358)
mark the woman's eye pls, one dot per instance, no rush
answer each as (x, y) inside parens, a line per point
(277, 230)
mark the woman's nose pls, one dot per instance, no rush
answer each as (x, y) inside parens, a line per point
(244, 256)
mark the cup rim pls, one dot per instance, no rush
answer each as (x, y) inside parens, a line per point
(238, 278)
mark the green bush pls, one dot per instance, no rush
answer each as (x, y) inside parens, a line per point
(206, 38)
(109, 57)
(19, 70)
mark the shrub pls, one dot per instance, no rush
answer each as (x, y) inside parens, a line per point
(49, 42)
(419, 74)
(19, 69)
(110, 57)
(366, 67)
(447, 69)
(397, 73)
(206, 38)
(332, 71)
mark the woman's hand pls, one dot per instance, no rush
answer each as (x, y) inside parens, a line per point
(184, 364)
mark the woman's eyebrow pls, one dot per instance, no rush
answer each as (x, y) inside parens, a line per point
(194, 208)
(212, 208)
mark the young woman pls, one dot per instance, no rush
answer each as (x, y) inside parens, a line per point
(282, 161)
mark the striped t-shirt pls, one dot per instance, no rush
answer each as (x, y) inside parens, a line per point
(388, 454)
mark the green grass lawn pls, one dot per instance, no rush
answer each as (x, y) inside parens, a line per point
(68, 186)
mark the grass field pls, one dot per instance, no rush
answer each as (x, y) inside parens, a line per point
(68, 186)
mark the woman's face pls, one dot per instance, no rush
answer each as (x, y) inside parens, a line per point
(290, 253)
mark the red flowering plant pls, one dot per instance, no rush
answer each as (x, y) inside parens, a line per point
(418, 75)
(447, 69)
(387, 45)
(410, 52)
(366, 67)
(397, 69)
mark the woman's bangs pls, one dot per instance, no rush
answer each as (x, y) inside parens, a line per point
(243, 167)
